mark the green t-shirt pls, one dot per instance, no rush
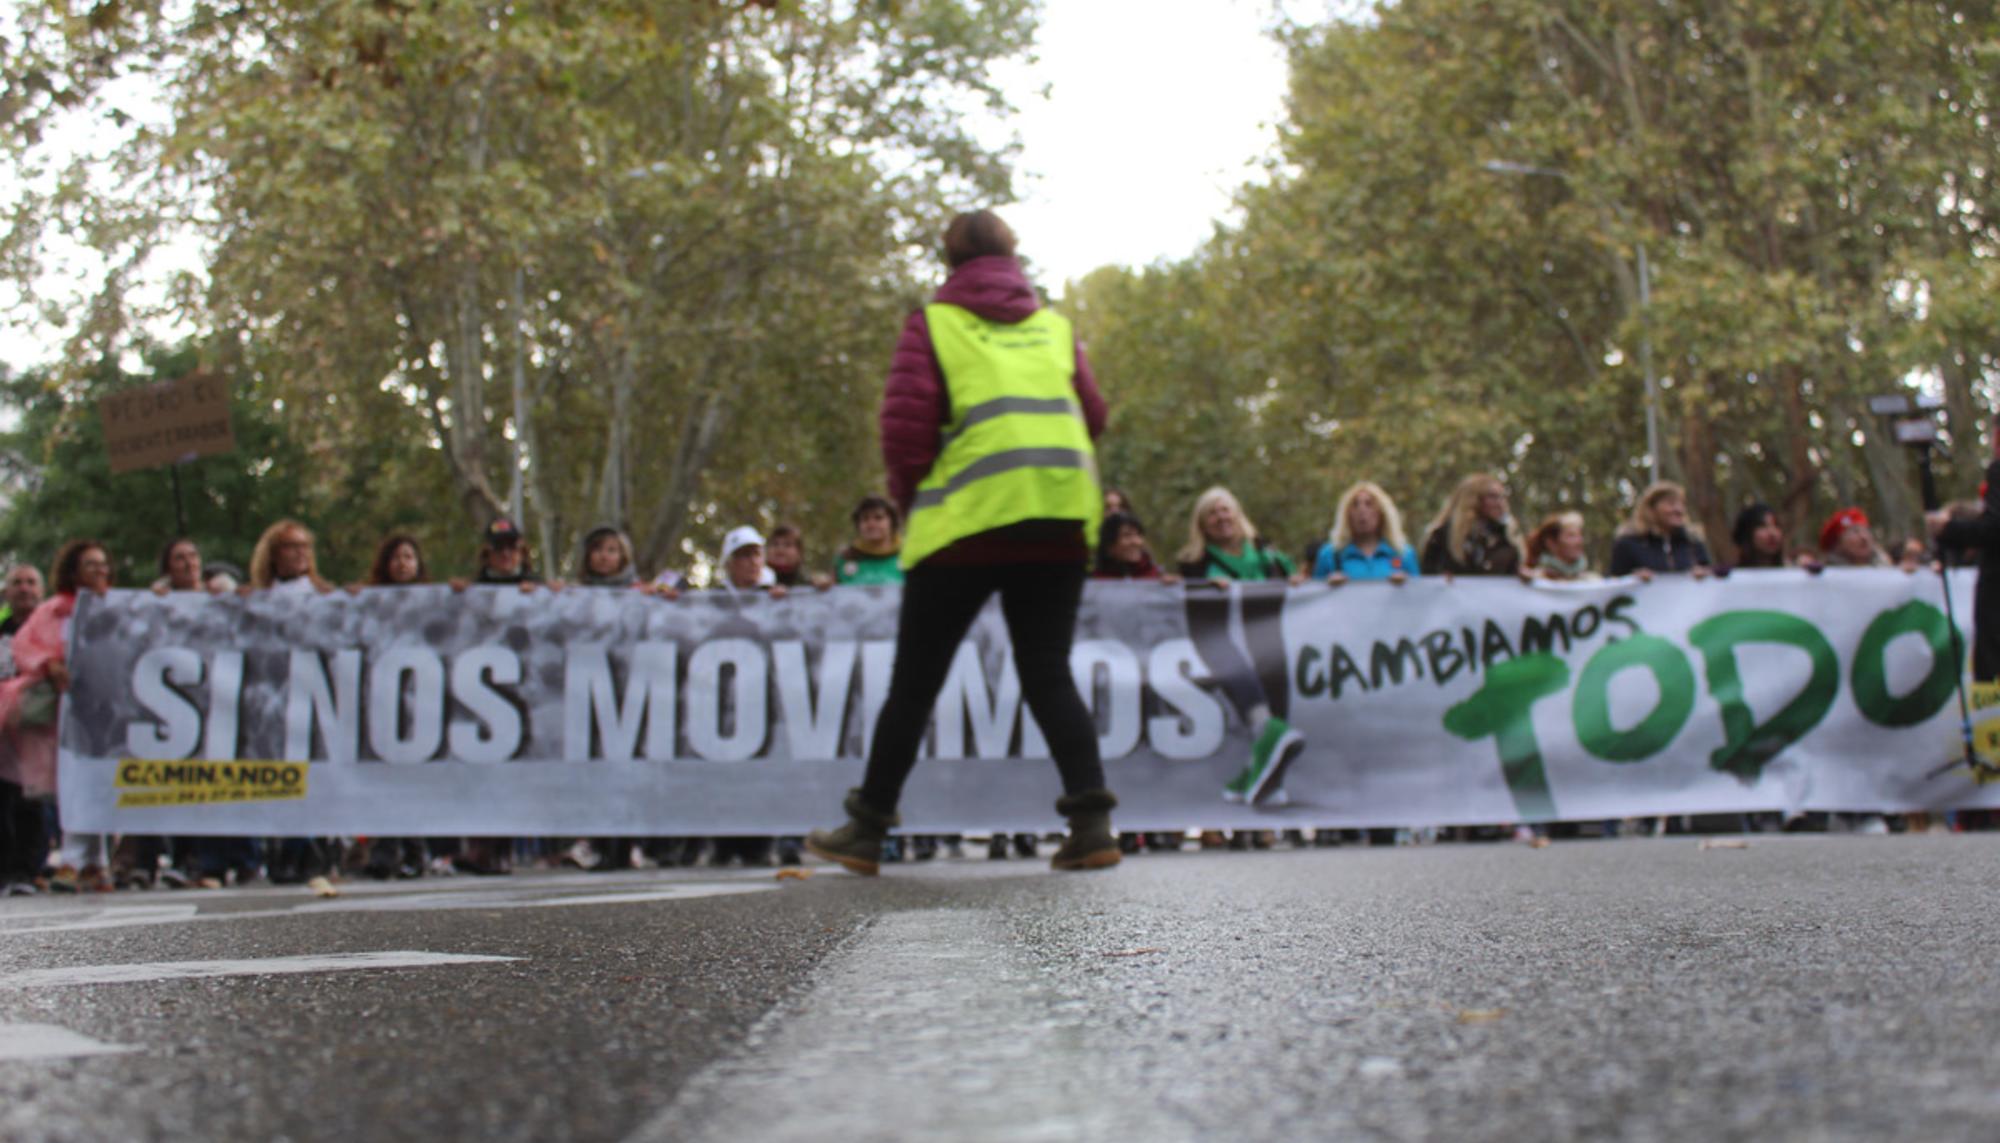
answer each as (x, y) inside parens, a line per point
(1254, 564)
(861, 568)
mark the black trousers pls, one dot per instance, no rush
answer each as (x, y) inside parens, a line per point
(24, 839)
(1261, 679)
(1039, 602)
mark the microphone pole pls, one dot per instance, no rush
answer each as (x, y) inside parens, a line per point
(1970, 759)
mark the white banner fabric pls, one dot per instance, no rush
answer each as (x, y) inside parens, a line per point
(420, 711)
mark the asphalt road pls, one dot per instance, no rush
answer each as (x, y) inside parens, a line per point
(1802, 988)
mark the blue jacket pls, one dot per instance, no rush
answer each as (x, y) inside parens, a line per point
(1349, 561)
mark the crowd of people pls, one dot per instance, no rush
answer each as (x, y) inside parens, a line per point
(1473, 533)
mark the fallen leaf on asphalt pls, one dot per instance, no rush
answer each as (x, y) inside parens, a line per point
(1539, 843)
(1724, 843)
(1480, 1015)
(794, 874)
(321, 887)
(1134, 952)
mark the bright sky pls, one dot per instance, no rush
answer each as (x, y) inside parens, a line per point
(1155, 114)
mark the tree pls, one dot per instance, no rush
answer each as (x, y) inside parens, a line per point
(1440, 274)
(60, 485)
(590, 254)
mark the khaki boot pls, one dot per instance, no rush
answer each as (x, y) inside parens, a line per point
(856, 846)
(1091, 844)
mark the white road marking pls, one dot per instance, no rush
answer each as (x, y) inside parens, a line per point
(69, 977)
(48, 1042)
(929, 1026)
(527, 899)
(118, 918)
(482, 898)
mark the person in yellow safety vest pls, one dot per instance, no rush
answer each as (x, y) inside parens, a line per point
(988, 421)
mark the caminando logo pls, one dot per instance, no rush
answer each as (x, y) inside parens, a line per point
(146, 783)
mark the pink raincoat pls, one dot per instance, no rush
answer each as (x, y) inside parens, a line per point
(28, 758)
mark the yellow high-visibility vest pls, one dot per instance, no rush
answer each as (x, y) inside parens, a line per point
(1016, 446)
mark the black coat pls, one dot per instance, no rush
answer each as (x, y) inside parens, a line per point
(1488, 551)
(1674, 552)
(1982, 534)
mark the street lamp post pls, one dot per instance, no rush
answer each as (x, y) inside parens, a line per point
(1645, 276)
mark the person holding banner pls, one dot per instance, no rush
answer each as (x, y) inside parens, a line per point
(503, 558)
(988, 421)
(1557, 552)
(785, 556)
(1657, 539)
(1848, 541)
(875, 555)
(1366, 541)
(30, 701)
(1759, 537)
(605, 560)
(180, 567)
(398, 562)
(1223, 550)
(1122, 552)
(24, 839)
(283, 562)
(1474, 533)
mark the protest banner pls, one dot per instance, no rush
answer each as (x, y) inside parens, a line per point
(167, 423)
(423, 711)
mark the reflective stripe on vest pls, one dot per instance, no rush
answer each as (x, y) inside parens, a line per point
(1016, 446)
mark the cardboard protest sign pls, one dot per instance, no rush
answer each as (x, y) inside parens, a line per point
(167, 423)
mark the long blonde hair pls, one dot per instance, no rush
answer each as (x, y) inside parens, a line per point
(1645, 517)
(1462, 509)
(261, 557)
(1392, 518)
(1197, 543)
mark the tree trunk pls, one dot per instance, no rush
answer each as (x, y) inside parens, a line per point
(614, 504)
(465, 358)
(1697, 456)
(1801, 474)
(699, 435)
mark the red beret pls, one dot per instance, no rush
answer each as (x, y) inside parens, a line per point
(1840, 522)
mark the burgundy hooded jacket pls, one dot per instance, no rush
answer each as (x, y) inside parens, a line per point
(916, 404)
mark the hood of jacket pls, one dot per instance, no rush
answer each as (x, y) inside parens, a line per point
(992, 287)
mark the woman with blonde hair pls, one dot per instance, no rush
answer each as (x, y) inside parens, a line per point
(1223, 546)
(283, 561)
(1474, 534)
(1657, 539)
(1367, 540)
(1556, 549)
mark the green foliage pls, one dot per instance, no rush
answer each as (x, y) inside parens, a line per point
(1440, 275)
(61, 486)
(638, 261)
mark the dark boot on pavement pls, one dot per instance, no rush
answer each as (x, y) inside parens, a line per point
(1091, 844)
(856, 846)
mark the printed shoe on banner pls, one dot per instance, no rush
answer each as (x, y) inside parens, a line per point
(1239, 786)
(1239, 789)
(1274, 751)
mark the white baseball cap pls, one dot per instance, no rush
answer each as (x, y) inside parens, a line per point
(740, 538)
